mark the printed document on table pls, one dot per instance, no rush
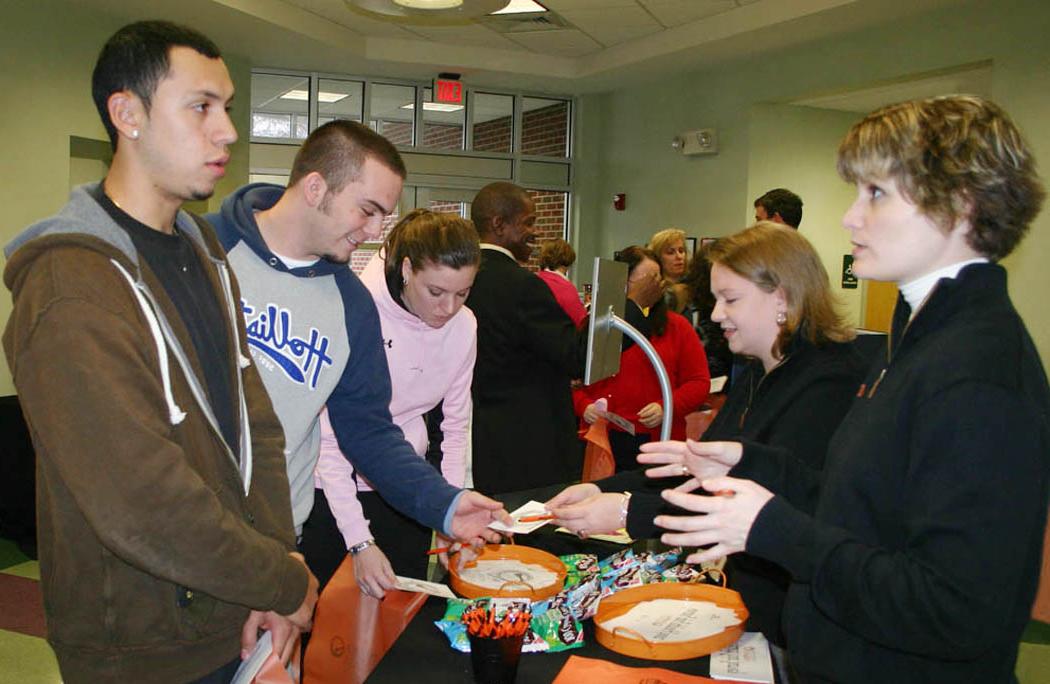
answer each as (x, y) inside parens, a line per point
(747, 660)
(664, 620)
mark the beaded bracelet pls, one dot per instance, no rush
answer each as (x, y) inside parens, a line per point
(623, 509)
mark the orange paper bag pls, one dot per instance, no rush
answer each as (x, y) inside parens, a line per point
(598, 461)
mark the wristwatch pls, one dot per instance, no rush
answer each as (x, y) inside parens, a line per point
(358, 548)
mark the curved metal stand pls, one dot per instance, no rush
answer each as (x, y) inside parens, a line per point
(658, 365)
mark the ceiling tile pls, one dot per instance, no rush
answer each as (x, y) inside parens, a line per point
(561, 6)
(473, 35)
(610, 28)
(337, 11)
(564, 43)
(672, 13)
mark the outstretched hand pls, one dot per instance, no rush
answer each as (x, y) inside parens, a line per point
(701, 460)
(473, 514)
(725, 521)
(600, 513)
(373, 572)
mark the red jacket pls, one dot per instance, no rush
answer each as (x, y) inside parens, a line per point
(637, 385)
(566, 295)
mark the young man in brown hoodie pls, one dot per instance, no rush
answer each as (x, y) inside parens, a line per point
(166, 539)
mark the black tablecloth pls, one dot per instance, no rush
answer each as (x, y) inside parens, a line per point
(423, 653)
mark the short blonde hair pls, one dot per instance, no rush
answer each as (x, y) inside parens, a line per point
(664, 239)
(955, 157)
(774, 256)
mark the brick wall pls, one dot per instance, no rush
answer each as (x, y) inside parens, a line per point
(550, 219)
(435, 136)
(543, 132)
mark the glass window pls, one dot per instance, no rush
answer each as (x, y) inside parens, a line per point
(551, 215)
(545, 127)
(338, 99)
(493, 122)
(448, 206)
(392, 107)
(280, 107)
(442, 123)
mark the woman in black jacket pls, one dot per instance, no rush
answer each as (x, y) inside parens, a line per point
(774, 305)
(920, 558)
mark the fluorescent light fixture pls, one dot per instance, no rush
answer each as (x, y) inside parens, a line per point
(322, 96)
(521, 7)
(429, 4)
(434, 107)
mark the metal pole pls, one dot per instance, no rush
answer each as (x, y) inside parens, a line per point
(658, 366)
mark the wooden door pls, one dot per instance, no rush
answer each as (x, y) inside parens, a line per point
(879, 300)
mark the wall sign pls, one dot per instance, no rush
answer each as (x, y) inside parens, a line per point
(849, 281)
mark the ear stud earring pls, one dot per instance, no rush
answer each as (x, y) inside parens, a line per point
(135, 134)
(781, 318)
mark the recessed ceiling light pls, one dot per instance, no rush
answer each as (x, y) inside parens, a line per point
(429, 4)
(427, 12)
(434, 107)
(522, 7)
(302, 95)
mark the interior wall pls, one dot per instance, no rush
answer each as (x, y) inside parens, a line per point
(49, 49)
(794, 147)
(711, 195)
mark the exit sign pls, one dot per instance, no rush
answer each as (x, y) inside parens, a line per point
(447, 91)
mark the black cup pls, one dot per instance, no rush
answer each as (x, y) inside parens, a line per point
(495, 660)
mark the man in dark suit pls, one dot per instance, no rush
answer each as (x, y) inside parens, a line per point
(524, 429)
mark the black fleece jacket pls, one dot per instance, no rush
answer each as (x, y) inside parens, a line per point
(796, 406)
(922, 558)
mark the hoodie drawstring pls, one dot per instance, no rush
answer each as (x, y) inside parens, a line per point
(175, 414)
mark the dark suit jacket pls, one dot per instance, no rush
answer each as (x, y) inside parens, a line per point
(524, 428)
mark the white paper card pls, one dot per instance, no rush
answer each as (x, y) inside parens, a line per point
(663, 620)
(618, 420)
(254, 662)
(719, 383)
(523, 511)
(423, 587)
(747, 660)
(508, 574)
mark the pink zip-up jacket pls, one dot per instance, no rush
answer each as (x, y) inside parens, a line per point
(427, 365)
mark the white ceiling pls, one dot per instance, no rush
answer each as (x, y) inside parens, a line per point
(583, 46)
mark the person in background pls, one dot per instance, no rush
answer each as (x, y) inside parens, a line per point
(634, 392)
(524, 427)
(920, 559)
(694, 300)
(419, 281)
(779, 205)
(556, 256)
(669, 247)
(774, 302)
(166, 538)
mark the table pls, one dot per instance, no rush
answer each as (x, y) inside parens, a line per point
(357, 638)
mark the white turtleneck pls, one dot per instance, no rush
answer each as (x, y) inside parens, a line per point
(916, 291)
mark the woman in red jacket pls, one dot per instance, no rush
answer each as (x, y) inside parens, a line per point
(634, 393)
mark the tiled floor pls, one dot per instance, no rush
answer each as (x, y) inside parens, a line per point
(25, 658)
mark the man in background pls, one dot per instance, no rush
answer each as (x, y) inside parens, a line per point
(780, 206)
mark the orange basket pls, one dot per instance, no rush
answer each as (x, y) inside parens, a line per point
(512, 588)
(628, 642)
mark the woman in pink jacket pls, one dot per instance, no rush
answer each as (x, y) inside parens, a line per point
(419, 282)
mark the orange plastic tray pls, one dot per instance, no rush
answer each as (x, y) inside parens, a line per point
(628, 643)
(524, 554)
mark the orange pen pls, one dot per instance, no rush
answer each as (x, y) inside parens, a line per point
(535, 518)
